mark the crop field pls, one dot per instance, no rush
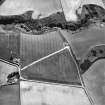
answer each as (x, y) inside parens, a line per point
(50, 54)
(9, 95)
(59, 67)
(34, 47)
(9, 45)
(51, 94)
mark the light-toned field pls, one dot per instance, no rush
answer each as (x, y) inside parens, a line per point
(70, 7)
(44, 7)
(5, 70)
(50, 94)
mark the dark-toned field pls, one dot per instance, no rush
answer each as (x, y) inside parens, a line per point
(34, 47)
(82, 41)
(9, 95)
(9, 45)
(59, 67)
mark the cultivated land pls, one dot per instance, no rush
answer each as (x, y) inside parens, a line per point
(34, 47)
(9, 45)
(26, 47)
(51, 94)
(57, 68)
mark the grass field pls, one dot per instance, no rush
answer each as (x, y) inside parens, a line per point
(94, 80)
(82, 41)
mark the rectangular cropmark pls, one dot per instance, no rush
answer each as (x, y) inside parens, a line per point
(58, 68)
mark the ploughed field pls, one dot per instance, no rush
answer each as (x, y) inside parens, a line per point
(34, 47)
(57, 68)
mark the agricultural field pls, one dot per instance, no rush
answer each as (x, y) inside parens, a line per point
(94, 81)
(59, 67)
(9, 45)
(9, 95)
(34, 47)
(52, 54)
(82, 41)
(51, 94)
